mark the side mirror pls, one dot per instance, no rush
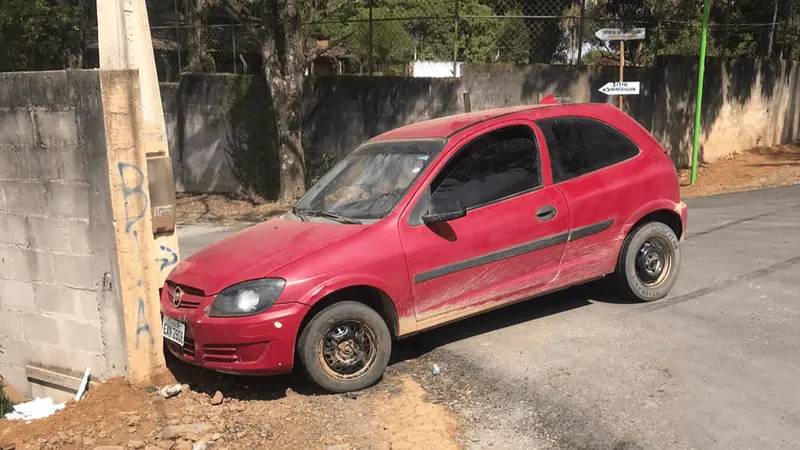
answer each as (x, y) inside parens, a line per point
(444, 209)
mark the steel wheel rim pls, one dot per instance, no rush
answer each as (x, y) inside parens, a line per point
(653, 261)
(348, 350)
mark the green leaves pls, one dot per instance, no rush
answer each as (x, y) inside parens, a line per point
(38, 35)
(5, 403)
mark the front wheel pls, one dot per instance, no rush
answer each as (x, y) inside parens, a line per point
(345, 347)
(649, 262)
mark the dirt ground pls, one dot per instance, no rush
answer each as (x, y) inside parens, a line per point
(757, 168)
(225, 208)
(255, 413)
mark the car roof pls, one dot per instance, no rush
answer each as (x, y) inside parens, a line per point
(445, 127)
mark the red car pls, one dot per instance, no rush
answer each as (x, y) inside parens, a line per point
(425, 225)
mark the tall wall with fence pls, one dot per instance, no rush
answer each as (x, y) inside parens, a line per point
(502, 51)
(748, 103)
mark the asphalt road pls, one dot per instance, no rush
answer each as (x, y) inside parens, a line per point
(715, 365)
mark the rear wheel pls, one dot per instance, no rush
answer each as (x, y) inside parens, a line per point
(345, 347)
(649, 262)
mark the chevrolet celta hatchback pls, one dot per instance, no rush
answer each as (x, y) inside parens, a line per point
(425, 225)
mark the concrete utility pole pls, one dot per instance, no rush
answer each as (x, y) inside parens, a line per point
(135, 132)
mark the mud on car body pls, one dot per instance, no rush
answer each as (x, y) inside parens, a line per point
(425, 225)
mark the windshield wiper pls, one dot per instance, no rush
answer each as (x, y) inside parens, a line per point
(299, 213)
(327, 215)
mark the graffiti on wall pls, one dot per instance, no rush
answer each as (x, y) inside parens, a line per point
(141, 324)
(168, 259)
(135, 203)
(132, 179)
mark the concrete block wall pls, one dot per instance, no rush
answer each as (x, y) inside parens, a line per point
(198, 120)
(59, 307)
(747, 103)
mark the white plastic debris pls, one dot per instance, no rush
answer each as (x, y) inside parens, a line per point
(82, 387)
(35, 409)
(170, 391)
(436, 370)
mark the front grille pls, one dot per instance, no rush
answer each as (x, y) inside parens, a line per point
(191, 298)
(187, 304)
(188, 348)
(218, 353)
(186, 289)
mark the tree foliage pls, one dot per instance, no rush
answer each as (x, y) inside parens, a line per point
(38, 35)
(741, 28)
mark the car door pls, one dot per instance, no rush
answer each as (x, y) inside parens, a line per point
(511, 239)
(590, 162)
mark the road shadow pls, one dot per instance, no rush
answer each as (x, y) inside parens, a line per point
(275, 387)
(525, 311)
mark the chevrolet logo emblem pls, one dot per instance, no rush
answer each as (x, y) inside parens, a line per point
(175, 296)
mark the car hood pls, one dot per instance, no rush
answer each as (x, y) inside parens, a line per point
(257, 252)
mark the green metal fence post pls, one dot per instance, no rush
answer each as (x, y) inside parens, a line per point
(700, 77)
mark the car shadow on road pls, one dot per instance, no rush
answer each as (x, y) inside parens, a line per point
(276, 387)
(503, 317)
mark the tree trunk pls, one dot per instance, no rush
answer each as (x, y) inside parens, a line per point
(199, 60)
(284, 62)
(772, 30)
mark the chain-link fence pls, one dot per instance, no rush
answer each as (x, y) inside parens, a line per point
(391, 36)
(416, 37)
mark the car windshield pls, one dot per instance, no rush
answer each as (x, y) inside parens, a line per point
(368, 183)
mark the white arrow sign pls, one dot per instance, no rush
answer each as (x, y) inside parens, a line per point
(621, 88)
(616, 34)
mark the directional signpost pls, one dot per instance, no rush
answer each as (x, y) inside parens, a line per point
(616, 34)
(621, 88)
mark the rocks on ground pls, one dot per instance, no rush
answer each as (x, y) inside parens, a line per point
(120, 416)
(217, 399)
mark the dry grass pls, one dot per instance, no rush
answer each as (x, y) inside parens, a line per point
(225, 208)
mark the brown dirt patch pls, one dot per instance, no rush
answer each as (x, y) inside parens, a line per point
(392, 415)
(757, 168)
(226, 208)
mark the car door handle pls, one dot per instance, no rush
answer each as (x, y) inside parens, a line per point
(546, 213)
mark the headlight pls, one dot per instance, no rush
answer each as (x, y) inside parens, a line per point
(248, 298)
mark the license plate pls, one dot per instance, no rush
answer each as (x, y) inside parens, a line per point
(174, 330)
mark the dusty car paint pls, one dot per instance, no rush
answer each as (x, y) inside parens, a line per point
(428, 275)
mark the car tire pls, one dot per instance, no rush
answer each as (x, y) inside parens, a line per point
(649, 262)
(345, 347)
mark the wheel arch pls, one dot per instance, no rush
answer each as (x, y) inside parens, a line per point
(663, 211)
(366, 294)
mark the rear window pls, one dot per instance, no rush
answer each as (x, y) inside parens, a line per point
(578, 146)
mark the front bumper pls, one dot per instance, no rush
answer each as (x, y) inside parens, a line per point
(262, 344)
(683, 210)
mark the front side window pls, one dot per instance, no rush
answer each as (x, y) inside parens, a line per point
(371, 180)
(578, 146)
(497, 165)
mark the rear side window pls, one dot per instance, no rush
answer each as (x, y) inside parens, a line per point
(578, 146)
(495, 166)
